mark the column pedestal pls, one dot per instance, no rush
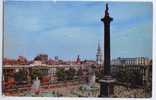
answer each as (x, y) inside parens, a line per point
(106, 86)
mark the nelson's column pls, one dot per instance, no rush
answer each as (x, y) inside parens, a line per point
(106, 84)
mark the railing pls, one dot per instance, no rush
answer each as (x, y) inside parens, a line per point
(42, 65)
(27, 87)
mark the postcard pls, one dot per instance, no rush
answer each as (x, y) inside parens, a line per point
(77, 49)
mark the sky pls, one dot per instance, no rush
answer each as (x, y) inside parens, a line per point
(67, 29)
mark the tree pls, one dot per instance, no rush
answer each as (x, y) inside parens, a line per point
(80, 73)
(136, 78)
(60, 73)
(69, 74)
(20, 76)
(99, 74)
(122, 76)
(133, 78)
(35, 73)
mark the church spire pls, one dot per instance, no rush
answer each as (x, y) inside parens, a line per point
(99, 48)
(99, 54)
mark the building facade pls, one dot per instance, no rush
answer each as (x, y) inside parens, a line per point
(42, 57)
(131, 61)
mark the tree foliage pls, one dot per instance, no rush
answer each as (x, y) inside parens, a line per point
(63, 74)
(35, 73)
(131, 77)
(20, 76)
(70, 74)
(60, 73)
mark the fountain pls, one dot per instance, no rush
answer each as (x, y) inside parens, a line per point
(92, 76)
(36, 86)
(36, 91)
(89, 88)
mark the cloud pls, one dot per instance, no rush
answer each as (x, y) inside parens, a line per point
(70, 28)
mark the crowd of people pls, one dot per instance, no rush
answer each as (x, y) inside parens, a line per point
(121, 91)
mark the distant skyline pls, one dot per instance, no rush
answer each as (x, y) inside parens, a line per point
(68, 29)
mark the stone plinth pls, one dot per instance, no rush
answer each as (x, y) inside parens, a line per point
(106, 85)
